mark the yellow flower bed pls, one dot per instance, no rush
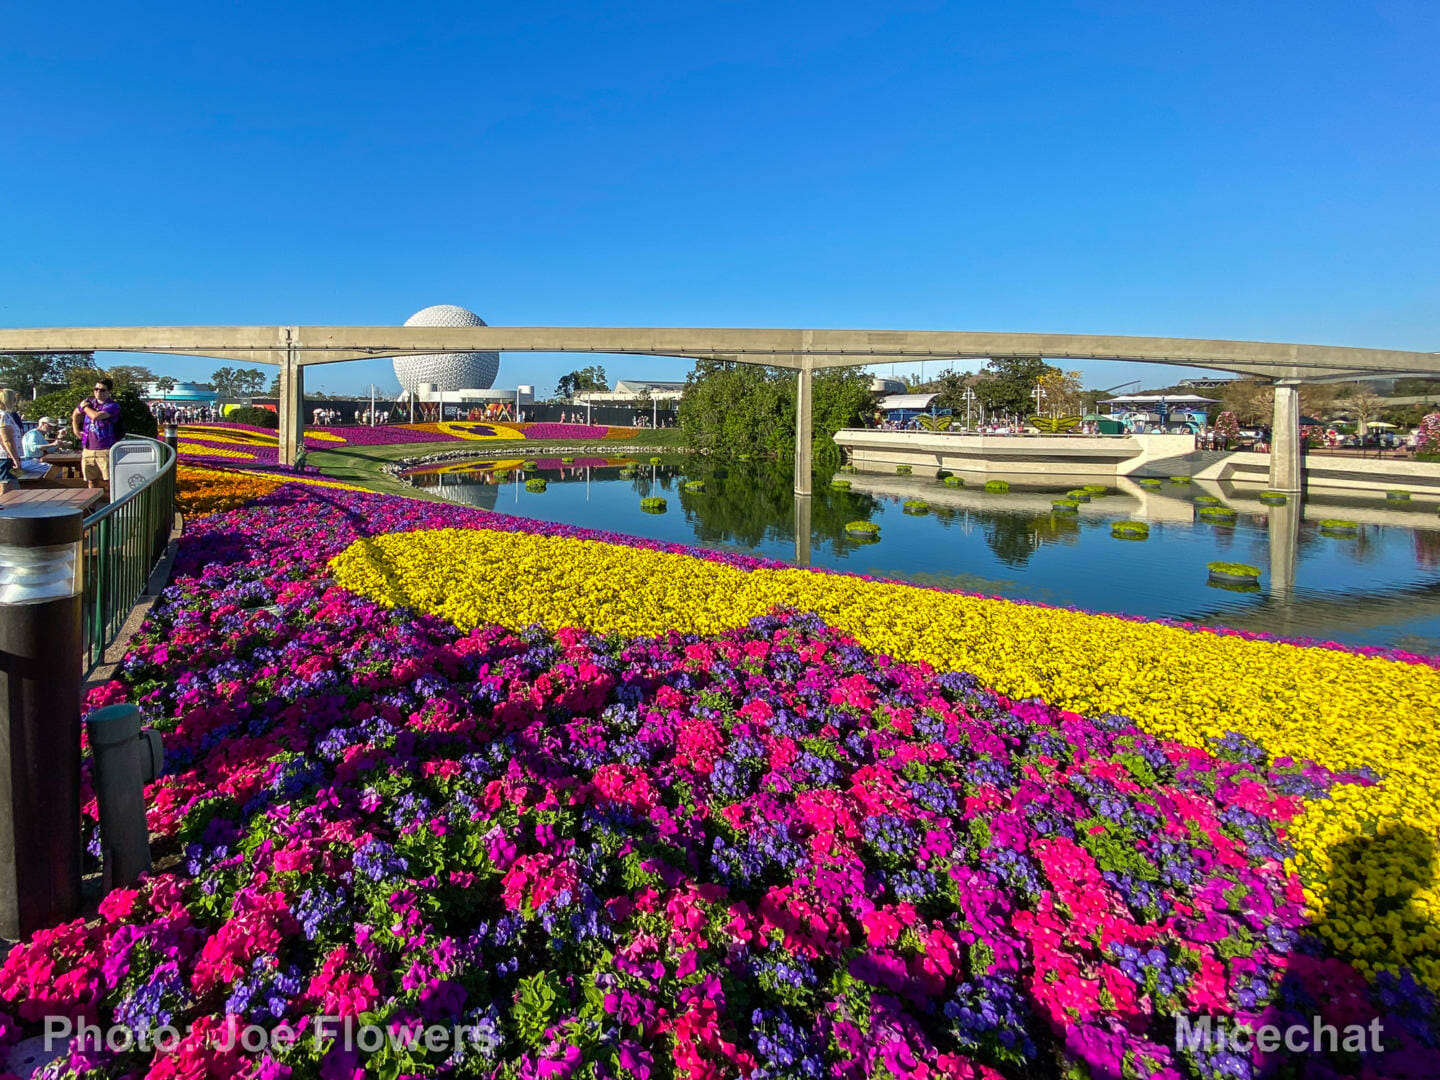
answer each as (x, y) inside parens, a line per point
(208, 491)
(1374, 897)
(233, 436)
(214, 451)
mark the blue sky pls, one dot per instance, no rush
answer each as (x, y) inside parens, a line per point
(1212, 169)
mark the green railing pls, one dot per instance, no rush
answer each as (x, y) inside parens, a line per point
(122, 544)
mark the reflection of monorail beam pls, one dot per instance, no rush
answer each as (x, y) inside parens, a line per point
(1283, 616)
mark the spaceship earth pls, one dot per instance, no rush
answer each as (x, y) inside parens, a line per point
(448, 371)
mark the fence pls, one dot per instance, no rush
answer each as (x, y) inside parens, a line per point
(122, 544)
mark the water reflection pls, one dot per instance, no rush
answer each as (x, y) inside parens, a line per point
(1380, 586)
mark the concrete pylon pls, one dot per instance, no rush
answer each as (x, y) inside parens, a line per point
(292, 406)
(804, 379)
(1285, 473)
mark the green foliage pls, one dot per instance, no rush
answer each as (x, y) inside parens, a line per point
(1095, 489)
(567, 459)
(238, 382)
(738, 409)
(1078, 494)
(1148, 481)
(1338, 524)
(840, 485)
(1233, 569)
(694, 485)
(1398, 496)
(1179, 479)
(1217, 513)
(655, 460)
(903, 470)
(1065, 506)
(29, 373)
(134, 413)
(954, 481)
(1009, 381)
(868, 527)
(653, 504)
(1274, 498)
(257, 417)
(1206, 500)
(916, 506)
(536, 483)
(1130, 529)
(997, 485)
(588, 378)
(529, 464)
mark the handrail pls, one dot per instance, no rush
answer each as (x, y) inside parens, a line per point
(122, 543)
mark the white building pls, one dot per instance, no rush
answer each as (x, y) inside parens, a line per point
(628, 391)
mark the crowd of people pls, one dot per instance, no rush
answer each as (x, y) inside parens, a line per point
(166, 412)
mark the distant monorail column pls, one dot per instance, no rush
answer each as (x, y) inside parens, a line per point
(292, 402)
(804, 447)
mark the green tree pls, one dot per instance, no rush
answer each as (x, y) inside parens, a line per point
(238, 382)
(588, 378)
(1009, 382)
(733, 408)
(165, 384)
(127, 375)
(31, 373)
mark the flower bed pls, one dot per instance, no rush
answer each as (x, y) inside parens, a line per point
(690, 838)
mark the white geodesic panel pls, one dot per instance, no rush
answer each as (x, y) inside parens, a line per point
(448, 371)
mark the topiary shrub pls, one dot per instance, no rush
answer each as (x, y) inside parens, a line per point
(996, 485)
(653, 504)
(252, 415)
(916, 506)
(535, 483)
(529, 465)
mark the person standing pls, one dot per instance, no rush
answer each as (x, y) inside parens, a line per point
(11, 432)
(94, 422)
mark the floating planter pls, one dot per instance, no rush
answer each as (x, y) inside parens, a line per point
(941, 474)
(839, 484)
(1233, 573)
(1096, 489)
(1130, 530)
(996, 485)
(1205, 500)
(903, 470)
(863, 530)
(654, 460)
(1398, 496)
(1221, 514)
(1065, 506)
(1078, 494)
(694, 485)
(1179, 479)
(1338, 527)
(628, 472)
(954, 481)
(1274, 498)
(848, 468)
(527, 465)
(1148, 481)
(916, 506)
(535, 483)
(568, 459)
(501, 474)
(653, 504)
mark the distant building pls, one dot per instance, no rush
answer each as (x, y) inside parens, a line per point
(185, 393)
(630, 390)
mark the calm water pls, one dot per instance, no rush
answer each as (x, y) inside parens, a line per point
(1379, 587)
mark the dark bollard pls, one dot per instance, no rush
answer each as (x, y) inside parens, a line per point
(41, 649)
(172, 436)
(127, 757)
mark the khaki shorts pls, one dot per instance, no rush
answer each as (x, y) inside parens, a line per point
(95, 464)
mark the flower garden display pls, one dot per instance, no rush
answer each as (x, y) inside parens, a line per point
(653, 504)
(997, 485)
(916, 506)
(635, 811)
(536, 483)
(1274, 498)
(1234, 573)
(1130, 530)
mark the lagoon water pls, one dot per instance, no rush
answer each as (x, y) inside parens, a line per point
(1380, 586)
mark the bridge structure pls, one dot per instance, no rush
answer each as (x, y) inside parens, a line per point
(294, 348)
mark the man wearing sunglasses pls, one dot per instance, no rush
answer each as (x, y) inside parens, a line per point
(94, 423)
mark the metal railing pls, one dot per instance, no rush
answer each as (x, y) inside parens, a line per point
(122, 543)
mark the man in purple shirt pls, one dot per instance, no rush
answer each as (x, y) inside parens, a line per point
(97, 416)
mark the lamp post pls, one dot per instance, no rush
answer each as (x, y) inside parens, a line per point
(41, 660)
(969, 396)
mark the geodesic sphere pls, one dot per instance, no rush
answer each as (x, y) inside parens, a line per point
(448, 371)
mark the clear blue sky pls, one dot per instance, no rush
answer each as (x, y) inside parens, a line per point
(1228, 169)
